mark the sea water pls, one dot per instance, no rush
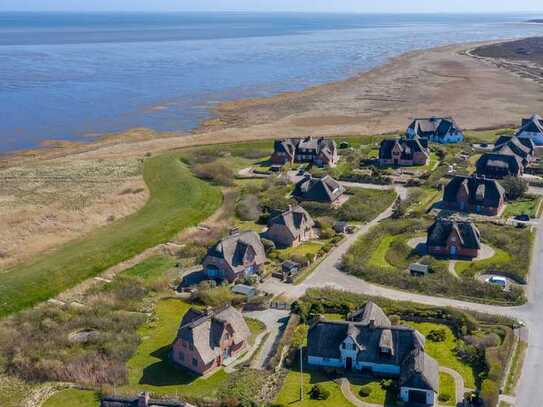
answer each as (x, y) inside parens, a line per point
(71, 76)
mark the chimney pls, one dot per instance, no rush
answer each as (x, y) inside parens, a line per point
(143, 399)
(290, 207)
(234, 232)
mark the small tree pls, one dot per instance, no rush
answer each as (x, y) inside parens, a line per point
(268, 245)
(318, 392)
(365, 391)
(514, 187)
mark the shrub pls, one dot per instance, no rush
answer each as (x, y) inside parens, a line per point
(437, 335)
(490, 392)
(248, 208)
(192, 250)
(444, 397)
(318, 392)
(216, 172)
(514, 187)
(268, 245)
(326, 232)
(365, 391)
(387, 384)
(298, 258)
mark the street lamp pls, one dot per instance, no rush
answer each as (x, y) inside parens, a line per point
(301, 375)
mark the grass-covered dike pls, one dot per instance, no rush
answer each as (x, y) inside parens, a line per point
(178, 200)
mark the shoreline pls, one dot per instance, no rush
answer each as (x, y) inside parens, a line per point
(345, 107)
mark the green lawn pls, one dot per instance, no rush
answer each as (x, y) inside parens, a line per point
(301, 250)
(150, 368)
(447, 386)
(527, 205)
(178, 200)
(290, 392)
(377, 258)
(516, 368)
(256, 327)
(152, 268)
(73, 398)
(377, 395)
(443, 351)
(500, 257)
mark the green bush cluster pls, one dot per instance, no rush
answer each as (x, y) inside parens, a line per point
(318, 392)
(437, 335)
(365, 391)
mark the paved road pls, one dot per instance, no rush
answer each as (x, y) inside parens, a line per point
(327, 274)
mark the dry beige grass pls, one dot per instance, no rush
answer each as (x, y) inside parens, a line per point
(48, 203)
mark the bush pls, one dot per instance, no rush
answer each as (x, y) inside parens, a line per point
(318, 392)
(365, 391)
(437, 335)
(444, 397)
(490, 392)
(215, 172)
(268, 245)
(388, 384)
(248, 208)
(515, 188)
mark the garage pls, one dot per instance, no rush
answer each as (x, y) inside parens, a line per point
(417, 396)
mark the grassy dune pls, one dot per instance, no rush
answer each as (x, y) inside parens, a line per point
(178, 200)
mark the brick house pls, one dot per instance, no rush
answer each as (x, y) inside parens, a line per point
(403, 152)
(453, 238)
(498, 166)
(234, 257)
(321, 152)
(474, 194)
(368, 342)
(512, 145)
(290, 228)
(206, 339)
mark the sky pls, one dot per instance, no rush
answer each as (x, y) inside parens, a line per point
(276, 5)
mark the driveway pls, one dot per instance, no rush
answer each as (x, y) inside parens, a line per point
(275, 321)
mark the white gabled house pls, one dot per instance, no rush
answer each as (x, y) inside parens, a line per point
(443, 130)
(532, 128)
(368, 342)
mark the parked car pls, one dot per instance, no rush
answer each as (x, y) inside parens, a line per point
(496, 280)
(301, 171)
(522, 218)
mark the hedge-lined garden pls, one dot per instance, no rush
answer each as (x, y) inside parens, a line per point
(382, 256)
(478, 346)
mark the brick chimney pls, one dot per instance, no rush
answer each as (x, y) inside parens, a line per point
(143, 399)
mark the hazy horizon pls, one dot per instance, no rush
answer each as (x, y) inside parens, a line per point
(321, 6)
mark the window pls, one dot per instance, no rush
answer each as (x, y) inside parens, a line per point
(194, 362)
(181, 356)
(191, 346)
(343, 346)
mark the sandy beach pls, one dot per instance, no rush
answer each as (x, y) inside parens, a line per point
(478, 91)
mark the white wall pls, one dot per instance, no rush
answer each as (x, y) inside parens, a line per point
(404, 395)
(536, 137)
(328, 362)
